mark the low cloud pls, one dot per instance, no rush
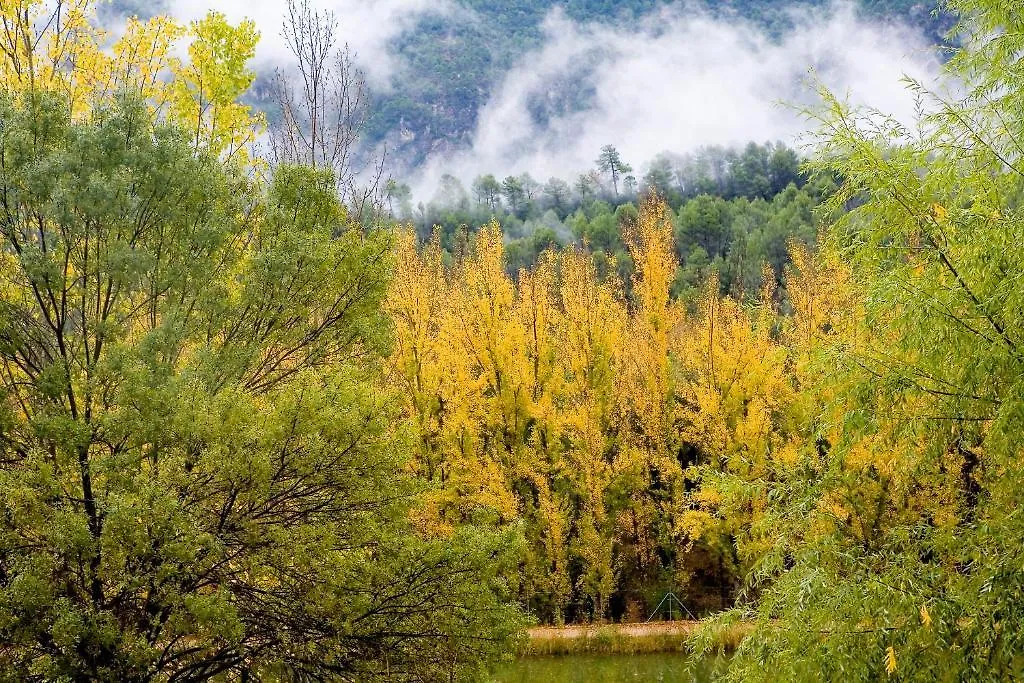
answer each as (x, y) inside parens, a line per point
(676, 80)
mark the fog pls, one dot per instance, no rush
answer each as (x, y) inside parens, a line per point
(679, 80)
(675, 80)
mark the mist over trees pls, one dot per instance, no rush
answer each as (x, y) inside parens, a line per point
(733, 210)
(457, 60)
(439, 66)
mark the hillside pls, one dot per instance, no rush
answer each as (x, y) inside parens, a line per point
(452, 64)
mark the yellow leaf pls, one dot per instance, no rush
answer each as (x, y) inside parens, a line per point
(939, 213)
(926, 618)
(890, 660)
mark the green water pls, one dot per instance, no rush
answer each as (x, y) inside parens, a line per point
(608, 669)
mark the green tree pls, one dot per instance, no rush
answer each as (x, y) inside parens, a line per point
(515, 195)
(558, 193)
(487, 191)
(659, 177)
(610, 162)
(585, 186)
(531, 188)
(451, 194)
(630, 185)
(783, 168)
(199, 472)
(399, 194)
(704, 222)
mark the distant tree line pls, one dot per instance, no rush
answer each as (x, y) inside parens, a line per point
(733, 210)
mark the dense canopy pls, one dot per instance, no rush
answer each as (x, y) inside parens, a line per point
(261, 422)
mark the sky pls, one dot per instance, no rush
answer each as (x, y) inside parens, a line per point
(368, 26)
(674, 81)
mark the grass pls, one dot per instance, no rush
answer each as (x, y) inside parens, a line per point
(625, 639)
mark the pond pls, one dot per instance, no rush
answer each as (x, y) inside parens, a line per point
(608, 669)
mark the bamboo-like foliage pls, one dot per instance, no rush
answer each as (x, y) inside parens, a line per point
(897, 542)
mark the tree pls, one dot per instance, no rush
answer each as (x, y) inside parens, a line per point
(451, 193)
(487, 191)
(321, 122)
(530, 186)
(514, 194)
(611, 163)
(58, 47)
(542, 403)
(629, 184)
(401, 193)
(748, 173)
(585, 186)
(734, 391)
(557, 192)
(704, 222)
(894, 539)
(206, 91)
(783, 168)
(659, 177)
(198, 471)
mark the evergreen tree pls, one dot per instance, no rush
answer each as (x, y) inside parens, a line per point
(610, 162)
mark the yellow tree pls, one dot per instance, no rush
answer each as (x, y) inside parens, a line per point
(883, 482)
(543, 471)
(591, 331)
(488, 357)
(60, 47)
(733, 391)
(205, 92)
(748, 399)
(545, 400)
(415, 303)
(646, 462)
(459, 351)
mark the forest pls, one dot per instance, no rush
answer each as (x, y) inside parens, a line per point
(261, 418)
(732, 211)
(454, 61)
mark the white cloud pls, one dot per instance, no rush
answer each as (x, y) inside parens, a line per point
(368, 26)
(675, 80)
(680, 79)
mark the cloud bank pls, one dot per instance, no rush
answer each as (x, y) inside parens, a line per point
(677, 80)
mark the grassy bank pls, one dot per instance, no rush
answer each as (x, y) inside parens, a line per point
(622, 638)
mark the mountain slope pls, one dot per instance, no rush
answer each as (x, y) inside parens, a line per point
(452, 63)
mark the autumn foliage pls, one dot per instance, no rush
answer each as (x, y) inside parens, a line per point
(245, 435)
(557, 401)
(60, 47)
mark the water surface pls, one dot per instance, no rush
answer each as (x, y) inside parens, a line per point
(676, 668)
